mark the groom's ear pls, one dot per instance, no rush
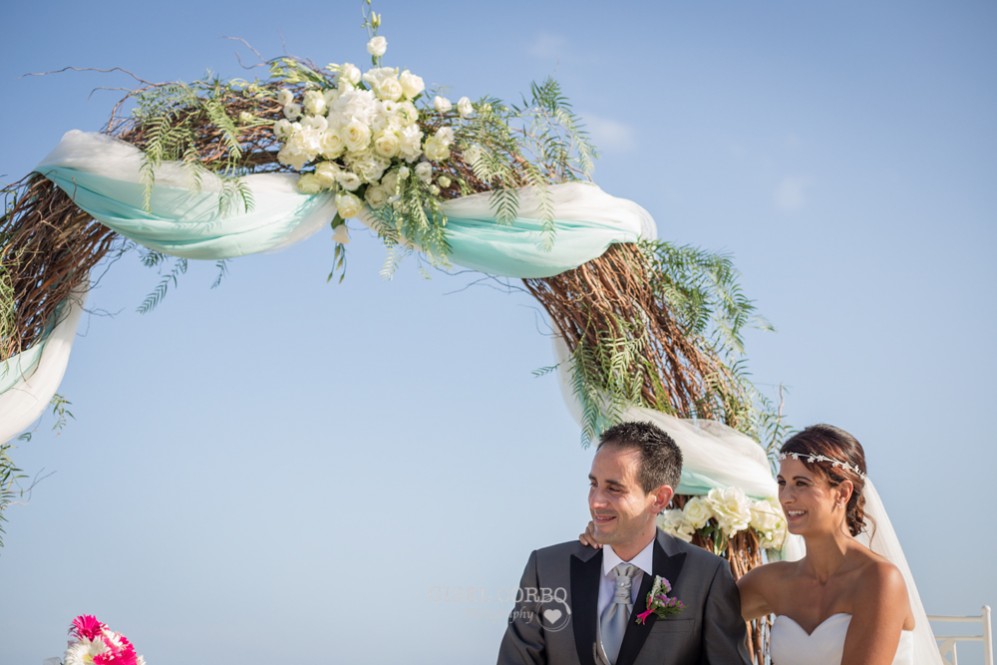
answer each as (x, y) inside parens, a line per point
(662, 497)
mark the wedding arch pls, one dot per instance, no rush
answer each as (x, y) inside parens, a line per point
(218, 169)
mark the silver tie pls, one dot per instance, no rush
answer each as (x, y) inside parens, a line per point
(613, 623)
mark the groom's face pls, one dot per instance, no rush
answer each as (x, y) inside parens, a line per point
(623, 514)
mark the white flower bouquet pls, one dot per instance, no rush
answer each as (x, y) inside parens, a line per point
(721, 514)
(389, 152)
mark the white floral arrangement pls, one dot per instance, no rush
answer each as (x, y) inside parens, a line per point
(365, 135)
(723, 513)
(391, 153)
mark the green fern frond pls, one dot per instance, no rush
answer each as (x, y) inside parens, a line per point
(157, 295)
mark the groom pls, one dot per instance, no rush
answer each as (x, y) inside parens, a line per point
(577, 605)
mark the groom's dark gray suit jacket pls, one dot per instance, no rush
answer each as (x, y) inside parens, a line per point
(555, 617)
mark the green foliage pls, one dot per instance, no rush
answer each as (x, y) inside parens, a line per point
(173, 117)
(536, 144)
(10, 476)
(604, 375)
(553, 136)
(704, 294)
(154, 259)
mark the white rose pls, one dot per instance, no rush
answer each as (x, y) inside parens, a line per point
(383, 81)
(327, 174)
(443, 181)
(673, 522)
(387, 145)
(329, 96)
(376, 196)
(406, 113)
(282, 128)
(309, 184)
(314, 102)
(436, 150)
(301, 148)
(473, 154)
(411, 143)
(348, 205)
(289, 156)
(732, 509)
(445, 135)
(370, 168)
(349, 74)
(389, 89)
(442, 104)
(389, 183)
(403, 173)
(464, 107)
(697, 512)
(332, 145)
(348, 181)
(424, 172)
(309, 141)
(768, 520)
(412, 85)
(356, 135)
(292, 111)
(341, 234)
(377, 46)
(284, 96)
(315, 122)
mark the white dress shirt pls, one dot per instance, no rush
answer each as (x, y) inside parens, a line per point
(607, 583)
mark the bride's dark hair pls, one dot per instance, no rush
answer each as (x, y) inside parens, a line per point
(837, 444)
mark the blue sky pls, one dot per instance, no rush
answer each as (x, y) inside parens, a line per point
(281, 469)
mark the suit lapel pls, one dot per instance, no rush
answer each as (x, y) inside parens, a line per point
(664, 565)
(585, 573)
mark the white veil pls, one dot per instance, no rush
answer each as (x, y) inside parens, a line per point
(884, 541)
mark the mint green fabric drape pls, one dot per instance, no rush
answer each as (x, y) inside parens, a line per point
(191, 216)
(517, 249)
(194, 224)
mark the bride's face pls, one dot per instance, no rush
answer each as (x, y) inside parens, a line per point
(811, 504)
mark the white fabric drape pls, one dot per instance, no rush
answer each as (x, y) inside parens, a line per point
(189, 213)
(713, 454)
(29, 380)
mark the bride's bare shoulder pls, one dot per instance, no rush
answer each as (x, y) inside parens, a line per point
(768, 575)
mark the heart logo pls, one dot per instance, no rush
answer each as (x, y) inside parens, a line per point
(552, 615)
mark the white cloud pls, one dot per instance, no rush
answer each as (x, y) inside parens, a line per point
(609, 135)
(548, 45)
(791, 193)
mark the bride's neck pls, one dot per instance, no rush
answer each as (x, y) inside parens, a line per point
(826, 554)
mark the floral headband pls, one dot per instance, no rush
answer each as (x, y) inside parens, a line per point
(810, 458)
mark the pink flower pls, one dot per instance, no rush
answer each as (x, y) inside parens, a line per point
(86, 625)
(116, 649)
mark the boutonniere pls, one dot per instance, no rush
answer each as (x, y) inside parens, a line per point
(659, 603)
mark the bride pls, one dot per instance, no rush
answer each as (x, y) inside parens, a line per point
(840, 603)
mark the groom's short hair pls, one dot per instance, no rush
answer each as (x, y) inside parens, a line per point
(660, 457)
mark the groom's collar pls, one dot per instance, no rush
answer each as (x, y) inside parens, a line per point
(644, 559)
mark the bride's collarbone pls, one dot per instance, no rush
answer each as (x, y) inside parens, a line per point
(810, 602)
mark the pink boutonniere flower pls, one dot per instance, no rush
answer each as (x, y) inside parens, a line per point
(658, 602)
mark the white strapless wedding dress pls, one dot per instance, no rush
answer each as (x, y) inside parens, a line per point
(791, 645)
